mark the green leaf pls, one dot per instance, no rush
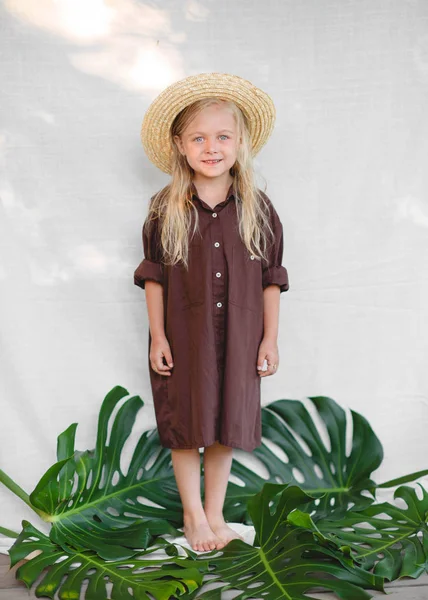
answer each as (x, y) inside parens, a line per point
(391, 540)
(330, 473)
(291, 561)
(403, 479)
(136, 579)
(65, 443)
(93, 505)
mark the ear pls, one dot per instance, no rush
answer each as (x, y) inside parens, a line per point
(179, 143)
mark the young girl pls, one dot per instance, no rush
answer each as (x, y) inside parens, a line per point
(212, 275)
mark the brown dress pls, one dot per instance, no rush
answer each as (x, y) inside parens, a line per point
(213, 317)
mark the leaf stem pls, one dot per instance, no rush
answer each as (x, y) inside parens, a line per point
(8, 532)
(18, 491)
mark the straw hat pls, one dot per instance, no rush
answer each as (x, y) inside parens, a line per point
(257, 106)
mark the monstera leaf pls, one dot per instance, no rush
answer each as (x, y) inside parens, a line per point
(93, 505)
(329, 535)
(391, 540)
(289, 561)
(301, 457)
(67, 571)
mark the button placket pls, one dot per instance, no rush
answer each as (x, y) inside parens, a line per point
(218, 267)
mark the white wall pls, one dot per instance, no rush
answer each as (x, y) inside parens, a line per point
(346, 169)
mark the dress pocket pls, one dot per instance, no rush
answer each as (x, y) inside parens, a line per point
(245, 285)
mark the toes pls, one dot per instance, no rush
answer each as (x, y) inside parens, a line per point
(207, 541)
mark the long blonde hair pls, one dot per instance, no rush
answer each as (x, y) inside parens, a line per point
(172, 204)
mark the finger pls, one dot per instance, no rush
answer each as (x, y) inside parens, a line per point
(272, 367)
(159, 362)
(264, 370)
(265, 373)
(160, 372)
(260, 360)
(168, 358)
(270, 370)
(160, 366)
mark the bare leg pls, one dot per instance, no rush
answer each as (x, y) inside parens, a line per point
(187, 467)
(217, 463)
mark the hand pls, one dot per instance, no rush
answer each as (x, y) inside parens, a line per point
(159, 349)
(268, 350)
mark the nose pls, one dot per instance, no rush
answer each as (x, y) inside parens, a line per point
(211, 145)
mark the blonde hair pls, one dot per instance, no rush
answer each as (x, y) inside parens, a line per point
(172, 204)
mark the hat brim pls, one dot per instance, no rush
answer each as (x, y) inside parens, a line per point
(256, 104)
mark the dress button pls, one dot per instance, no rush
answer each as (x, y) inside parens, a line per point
(216, 244)
(219, 304)
(214, 214)
(218, 274)
(252, 257)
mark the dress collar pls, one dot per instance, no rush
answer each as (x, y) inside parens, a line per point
(229, 195)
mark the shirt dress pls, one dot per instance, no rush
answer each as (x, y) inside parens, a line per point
(213, 319)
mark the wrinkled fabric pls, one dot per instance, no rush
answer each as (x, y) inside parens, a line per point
(213, 318)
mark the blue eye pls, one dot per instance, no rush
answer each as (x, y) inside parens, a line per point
(200, 137)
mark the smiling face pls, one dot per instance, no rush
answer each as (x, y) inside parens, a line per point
(210, 136)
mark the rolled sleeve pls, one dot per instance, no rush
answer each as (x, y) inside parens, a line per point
(274, 272)
(148, 269)
(151, 267)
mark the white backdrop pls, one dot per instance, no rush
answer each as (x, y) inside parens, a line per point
(345, 167)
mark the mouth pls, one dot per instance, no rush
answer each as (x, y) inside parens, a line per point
(212, 162)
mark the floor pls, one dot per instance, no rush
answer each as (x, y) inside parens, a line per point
(11, 589)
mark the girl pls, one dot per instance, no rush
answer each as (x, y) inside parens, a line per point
(212, 275)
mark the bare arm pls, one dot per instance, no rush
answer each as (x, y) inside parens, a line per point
(155, 308)
(274, 281)
(271, 312)
(160, 346)
(268, 348)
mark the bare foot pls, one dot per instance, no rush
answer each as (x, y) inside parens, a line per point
(199, 534)
(223, 531)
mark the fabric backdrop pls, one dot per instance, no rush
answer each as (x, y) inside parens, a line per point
(345, 168)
